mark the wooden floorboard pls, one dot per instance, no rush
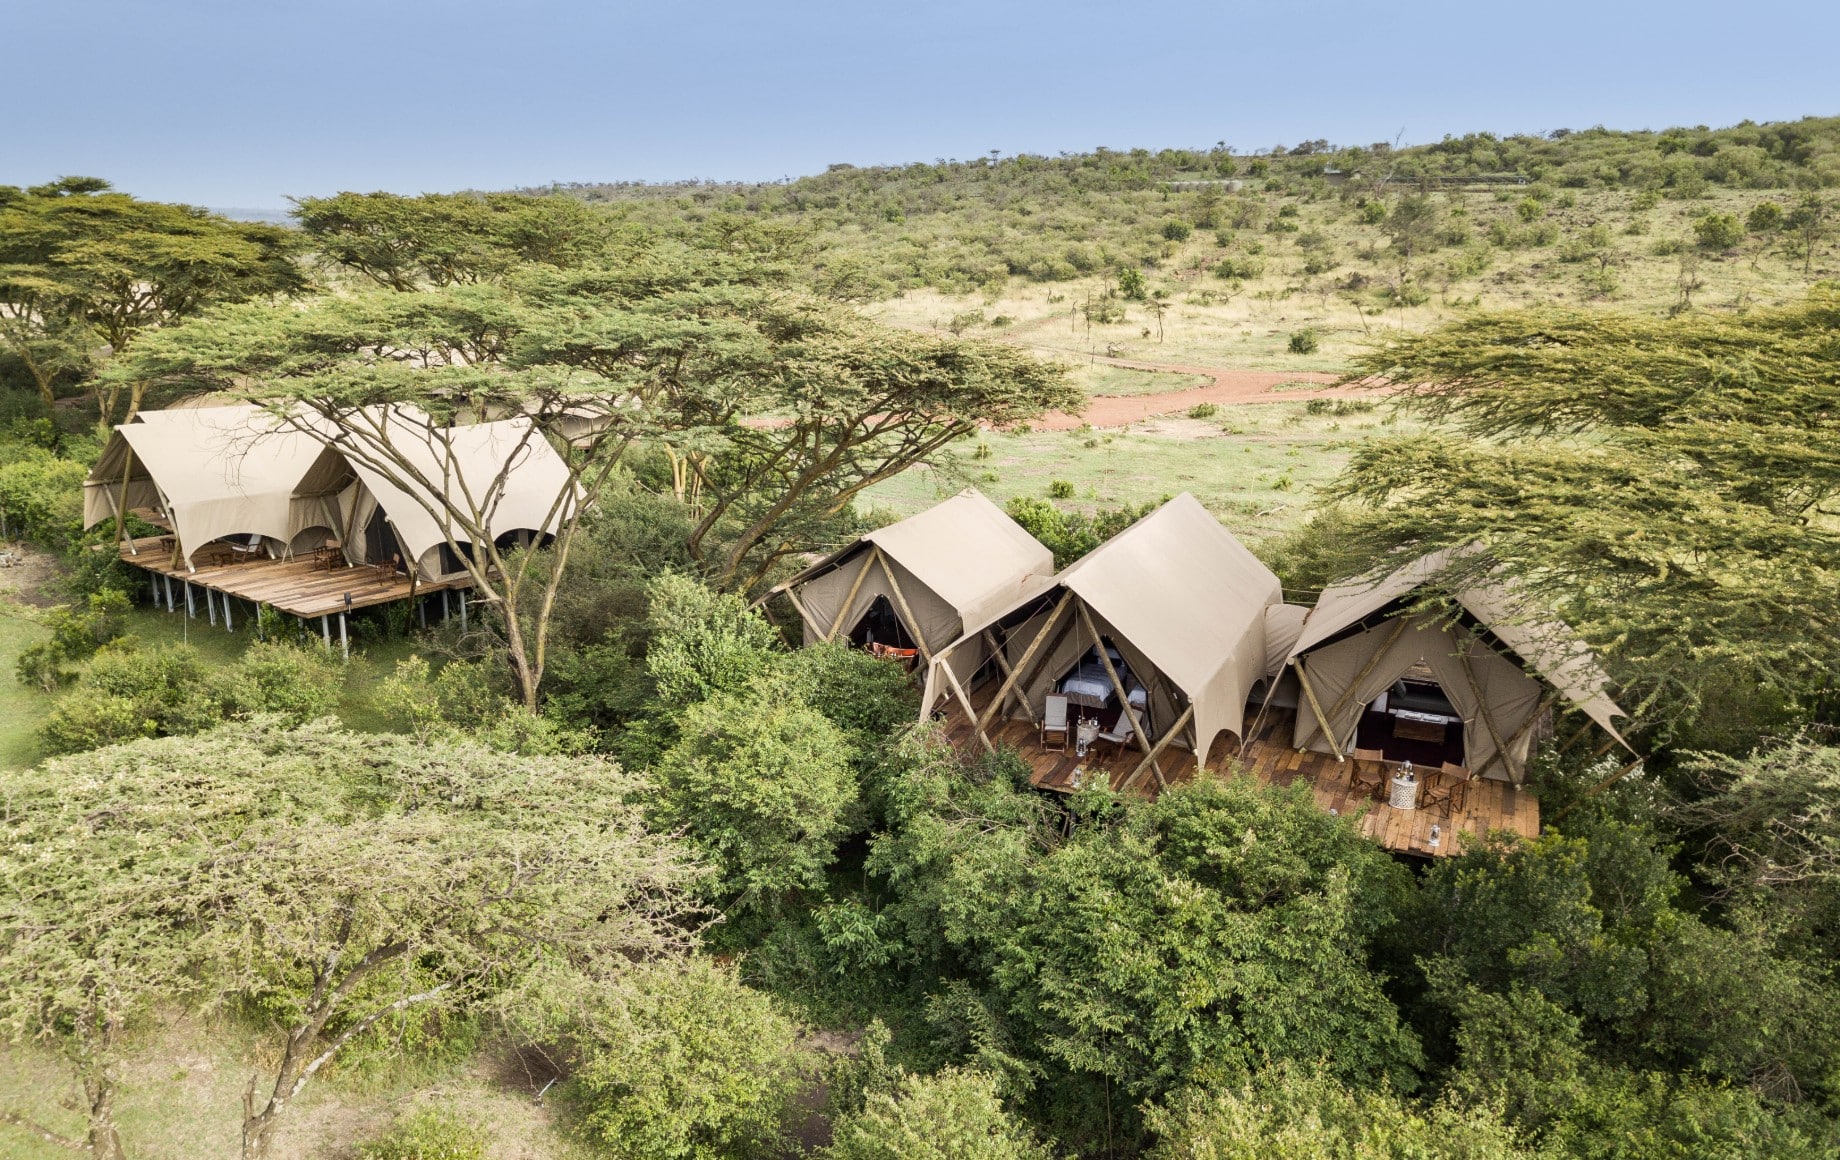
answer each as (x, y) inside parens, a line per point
(1270, 759)
(301, 587)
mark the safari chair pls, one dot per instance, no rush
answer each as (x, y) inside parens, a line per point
(1119, 735)
(1054, 721)
(1448, 789)
(247, 549)
(1369, 775)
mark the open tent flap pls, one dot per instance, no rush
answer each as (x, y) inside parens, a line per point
(1346, 676)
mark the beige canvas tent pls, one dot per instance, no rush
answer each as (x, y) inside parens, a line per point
(404, 483)
(381, 487)
(214, 473)
(1166, 620)
(1469, 685)
(917, 584)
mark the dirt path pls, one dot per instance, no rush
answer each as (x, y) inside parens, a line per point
(1229, 388)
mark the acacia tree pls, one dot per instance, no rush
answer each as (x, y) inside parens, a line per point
(83, 267)
(779, 408)
(1667, 483)
(339, 883)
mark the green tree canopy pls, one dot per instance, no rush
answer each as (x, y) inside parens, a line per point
(83, 267)
(1668, 484)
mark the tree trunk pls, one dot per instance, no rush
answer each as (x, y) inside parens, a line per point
(104, 1139)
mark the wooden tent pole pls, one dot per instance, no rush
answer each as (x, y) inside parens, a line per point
(1600, 787)
(121, 503)
(1475, 690)
(965, 700)
(1022, 664)
(1546, 702)
(844, 610)
(996, 652)
(798, 606)
(1323, 723)
(901, 600)
(1149, 761)
(1124, 701)
(1309, 690)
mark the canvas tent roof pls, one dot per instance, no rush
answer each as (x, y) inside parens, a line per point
(220, 471)
(1539, 639)
(458, 466)
(957, 563)
(1176, 592)
(1192, 598)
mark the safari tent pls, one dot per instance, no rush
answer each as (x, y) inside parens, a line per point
(211, 474)
(395, 481)
(914, 586)
(1165, 623)
(1379, 668)
(275, 487)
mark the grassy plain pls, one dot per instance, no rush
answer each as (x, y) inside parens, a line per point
(1603, 250)
(1256, 467)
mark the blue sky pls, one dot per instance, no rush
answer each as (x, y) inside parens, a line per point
(241, 104)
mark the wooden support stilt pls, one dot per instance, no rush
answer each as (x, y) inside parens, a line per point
(447, 610)
(421, 612)
(463, 610)
(229, 624)
(913, 624)
(191, 610)
(210, 607)
(325, 630)
(996, 652)
(344, 640)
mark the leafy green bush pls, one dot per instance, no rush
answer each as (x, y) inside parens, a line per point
(951, 1115)
(1203, 411)
(1060, 489)
(684, 1062)
(75, 637)
(1176, 231)
(1766, 217)
(1131, 284)
(429, 1134)
(41, 494)
(1304, 341)
(1718, 231)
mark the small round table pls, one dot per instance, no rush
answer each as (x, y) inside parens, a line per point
(1404, 794)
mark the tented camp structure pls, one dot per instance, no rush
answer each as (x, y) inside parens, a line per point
(1160, 632)
(918, 584)
(1468, 685)
(314, 520)
(210, 474)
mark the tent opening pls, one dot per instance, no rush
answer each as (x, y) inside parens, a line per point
(879, 625)
(380, 539)
(1413, 720)
(1090, 694)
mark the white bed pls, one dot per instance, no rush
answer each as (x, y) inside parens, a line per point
(1090, 687)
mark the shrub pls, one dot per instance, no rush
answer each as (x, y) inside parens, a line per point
(1236, 266)
(1304, 341)
(1176, 231)
(429, 1134)
(953, 1115)
(1060, 489)
(686, 1063)
(1766, 217)
(1203, 411)
(1131, 283)
(1718, 231)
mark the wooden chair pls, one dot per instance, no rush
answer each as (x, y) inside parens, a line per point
(1119, 735)
(247, 549)
(1447, 789)
(1054, 721)
(1369, 773)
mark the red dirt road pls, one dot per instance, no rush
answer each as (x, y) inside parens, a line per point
(1229, 388)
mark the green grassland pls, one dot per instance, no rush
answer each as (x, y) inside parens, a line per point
(1256, 467)
(21, 707)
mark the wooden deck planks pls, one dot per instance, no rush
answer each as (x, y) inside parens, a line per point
(299, 586)
(1491, 805)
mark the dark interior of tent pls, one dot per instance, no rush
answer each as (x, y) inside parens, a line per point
(1413, 721)
(880, 625)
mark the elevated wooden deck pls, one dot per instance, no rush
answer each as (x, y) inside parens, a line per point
(301, 586)
(1490, 805)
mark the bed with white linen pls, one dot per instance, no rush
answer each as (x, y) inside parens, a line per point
(1090, 687)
